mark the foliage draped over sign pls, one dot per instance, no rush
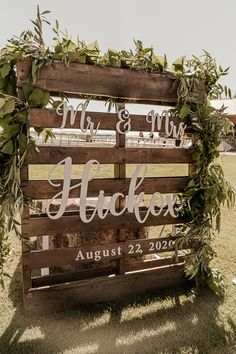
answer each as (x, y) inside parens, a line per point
(207, 190)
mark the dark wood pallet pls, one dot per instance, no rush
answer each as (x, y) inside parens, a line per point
(67, 290)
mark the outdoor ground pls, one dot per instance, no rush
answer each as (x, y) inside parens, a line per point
(183, 320)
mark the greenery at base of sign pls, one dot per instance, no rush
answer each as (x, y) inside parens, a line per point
(207, 189)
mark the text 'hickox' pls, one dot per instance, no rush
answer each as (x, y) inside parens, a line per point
(134, 201)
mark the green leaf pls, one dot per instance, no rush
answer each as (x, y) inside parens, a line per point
(3, 83)
(11, 89)
(48, 133)
(185, 110)
(27, 89)
(8, 148)
(57, 103)
(165, 62)
(112, 52)
(178, 64)
(11, 131)
(4, 121)
(39, 98)
(22, 117)
(94, 46)
(5, 69)
(7, 108)
(147, 50)
(2, 141)
(159, 60)
(77, 57)
(2, 102)
(23, 143)
(38, 130)
(34, 69)
(215, 282)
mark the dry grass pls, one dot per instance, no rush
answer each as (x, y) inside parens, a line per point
(183, 320)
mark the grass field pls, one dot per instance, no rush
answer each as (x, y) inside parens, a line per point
(183, 320)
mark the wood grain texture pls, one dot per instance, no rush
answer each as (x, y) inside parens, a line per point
(232, 117)
(71, 223)
(66, 277)
(67, 256)
(120, 172)
(80, 155)
(60, 278)
(61, 297)
(103, 82)
(41, 189)
(48, 118)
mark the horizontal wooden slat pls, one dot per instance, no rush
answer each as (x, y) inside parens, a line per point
(43, 225)
(67, 256)
(80, 155)
(55, 298)
(66, 277)
(231, 117)
(48, 118)
(41, 189)
(102, 82)
(152, 263)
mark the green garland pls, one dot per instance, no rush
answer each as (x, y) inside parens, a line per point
(207, 189)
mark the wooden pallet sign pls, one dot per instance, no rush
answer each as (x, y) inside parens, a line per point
(95, 267)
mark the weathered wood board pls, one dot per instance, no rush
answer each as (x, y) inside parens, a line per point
(116, 155)
(104, 82)
(41, 189)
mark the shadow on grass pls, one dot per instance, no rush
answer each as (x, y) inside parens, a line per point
(181, 320)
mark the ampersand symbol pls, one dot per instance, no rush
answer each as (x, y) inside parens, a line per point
(124, 119)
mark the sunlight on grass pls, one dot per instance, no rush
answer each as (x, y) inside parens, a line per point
(98, 321)
(35, 332)
(131, 313)
(143, 334)
(85, 349)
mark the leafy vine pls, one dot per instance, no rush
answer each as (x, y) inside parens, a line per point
(207, 189)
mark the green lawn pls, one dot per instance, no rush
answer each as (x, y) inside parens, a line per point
(183, 320)
(37, 172)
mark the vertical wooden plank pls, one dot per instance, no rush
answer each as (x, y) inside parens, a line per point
(174, 226)
(20, 94)
(192, 167)
(25, 215)
(24, 175)
(120, 172)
